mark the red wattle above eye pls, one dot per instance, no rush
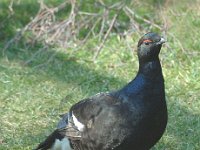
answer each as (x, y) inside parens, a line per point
(147, 41)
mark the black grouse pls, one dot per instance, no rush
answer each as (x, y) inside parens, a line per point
(132, 118)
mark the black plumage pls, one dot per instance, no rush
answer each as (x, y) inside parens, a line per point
(132, 118)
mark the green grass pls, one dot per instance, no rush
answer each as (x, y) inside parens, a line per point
(34, 95)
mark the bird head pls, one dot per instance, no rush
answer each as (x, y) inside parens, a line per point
(149, 46)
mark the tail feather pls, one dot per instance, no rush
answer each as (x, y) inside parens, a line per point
(50, 140)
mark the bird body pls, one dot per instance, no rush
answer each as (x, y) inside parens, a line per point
(132, 118)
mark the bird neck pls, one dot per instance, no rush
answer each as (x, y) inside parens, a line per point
(151, 68)
(149, 72)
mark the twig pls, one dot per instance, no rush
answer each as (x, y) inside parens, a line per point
(93, 27)
(133, 23)
(105, 16)
(87, 13)
(109, 30)
(60, 7)
(139, 17)
(16, 38)
(105, 37)
(35, 54)
(47, 62)
(10, 7)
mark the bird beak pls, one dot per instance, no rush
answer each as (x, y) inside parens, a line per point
(162, 40)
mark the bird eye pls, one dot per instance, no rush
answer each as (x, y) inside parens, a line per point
(147, 42)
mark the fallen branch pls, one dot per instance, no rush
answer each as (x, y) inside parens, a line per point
(37, 24)
(46, 28)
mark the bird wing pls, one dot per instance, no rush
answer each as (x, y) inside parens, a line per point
(98, 118)
(82, 114)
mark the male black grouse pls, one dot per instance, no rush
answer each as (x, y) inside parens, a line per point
(132, 118)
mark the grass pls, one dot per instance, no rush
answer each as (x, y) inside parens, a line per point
(32, 96)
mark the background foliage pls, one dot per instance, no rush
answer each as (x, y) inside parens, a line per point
(39, 82)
